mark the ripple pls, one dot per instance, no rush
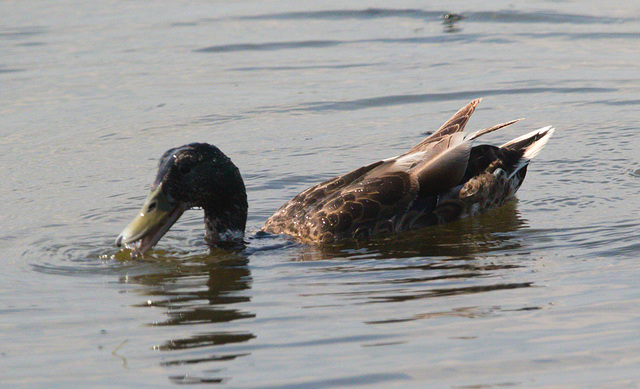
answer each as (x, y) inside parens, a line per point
(378, 13)
(392, 100)
(617, 239)
(348, 381)
(398, 100)
(541, 17)
(10, 70)
(86, 255)
(303, 67)
(268, 46)
(22, 32)
(78, 259)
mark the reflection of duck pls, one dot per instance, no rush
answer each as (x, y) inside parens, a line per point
(441, 179)
(195, 305)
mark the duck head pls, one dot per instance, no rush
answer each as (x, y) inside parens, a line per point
(196, 175)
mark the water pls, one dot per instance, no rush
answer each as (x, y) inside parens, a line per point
(541, 292)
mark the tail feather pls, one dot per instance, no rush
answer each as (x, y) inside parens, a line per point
(530, 143)
(529, 139)
(455, 124)
(479, 133)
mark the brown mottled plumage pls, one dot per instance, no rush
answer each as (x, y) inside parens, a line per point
(441, 179)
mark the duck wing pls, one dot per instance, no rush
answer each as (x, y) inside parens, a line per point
(387, 196)
(442, 163)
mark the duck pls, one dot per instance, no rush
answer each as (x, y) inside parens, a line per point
(443, 178)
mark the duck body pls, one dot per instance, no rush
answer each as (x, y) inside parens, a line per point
(441, 179)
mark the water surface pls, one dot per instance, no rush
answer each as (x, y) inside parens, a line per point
(540, 292)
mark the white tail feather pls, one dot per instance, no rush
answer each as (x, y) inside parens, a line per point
(530, 134)
(533, 149)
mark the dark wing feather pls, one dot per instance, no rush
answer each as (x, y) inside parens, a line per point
(457, 123)
(445, 170)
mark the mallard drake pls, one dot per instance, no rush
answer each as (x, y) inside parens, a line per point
(441, 179)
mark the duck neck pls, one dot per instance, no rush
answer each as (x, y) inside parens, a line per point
(225, 224)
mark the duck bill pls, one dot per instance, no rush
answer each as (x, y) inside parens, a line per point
(157, 215)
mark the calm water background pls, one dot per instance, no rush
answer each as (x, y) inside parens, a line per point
(542, 292)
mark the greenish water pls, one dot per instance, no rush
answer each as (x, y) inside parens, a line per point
(541, 292)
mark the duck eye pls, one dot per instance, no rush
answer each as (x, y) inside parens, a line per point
(185, 167)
